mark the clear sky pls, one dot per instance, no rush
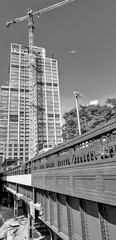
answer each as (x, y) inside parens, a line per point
(82, 37)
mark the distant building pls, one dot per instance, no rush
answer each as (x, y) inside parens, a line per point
(33, 116)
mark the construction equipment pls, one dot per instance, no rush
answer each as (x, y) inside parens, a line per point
(30, 19)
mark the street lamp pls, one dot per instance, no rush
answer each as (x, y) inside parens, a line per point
(77, 95)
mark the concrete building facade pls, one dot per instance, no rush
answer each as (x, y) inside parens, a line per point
(4, 97)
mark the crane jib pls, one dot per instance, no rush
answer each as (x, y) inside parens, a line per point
(16, 20)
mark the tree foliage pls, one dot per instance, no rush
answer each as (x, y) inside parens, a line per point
(90, 117)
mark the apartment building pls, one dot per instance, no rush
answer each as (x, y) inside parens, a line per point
(33, 116)
(4, 96)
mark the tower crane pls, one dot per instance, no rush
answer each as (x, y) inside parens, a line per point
(30, 18)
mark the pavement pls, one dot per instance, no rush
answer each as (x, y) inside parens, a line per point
(22, 232)
(17, 229)
(14, 229)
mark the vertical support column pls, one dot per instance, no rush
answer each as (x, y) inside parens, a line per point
(15, 206)
(34, 201)
(55, 237)
(16, 187)
(46, 206)
(104, 222)
(33, 217)
(59, 213)
(51, 234)
(29, 224)
(9, 198)
(42, 202)
(69, 217)
(84, 226)
(51, 209)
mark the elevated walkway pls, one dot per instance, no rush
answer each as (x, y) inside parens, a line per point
(75, 185)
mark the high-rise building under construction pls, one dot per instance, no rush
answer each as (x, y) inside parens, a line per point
(34, 116)
(4, 97)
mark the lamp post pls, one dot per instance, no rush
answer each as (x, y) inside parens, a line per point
(77, 95)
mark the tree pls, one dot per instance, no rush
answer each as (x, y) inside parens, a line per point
(112, 103)
(90, 117)
(69, 129)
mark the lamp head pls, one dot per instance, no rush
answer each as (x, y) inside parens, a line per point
(77, 94)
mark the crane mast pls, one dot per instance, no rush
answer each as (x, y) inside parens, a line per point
(30, 28)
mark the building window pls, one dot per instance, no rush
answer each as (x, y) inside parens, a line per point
(15, 149)
(21, 149)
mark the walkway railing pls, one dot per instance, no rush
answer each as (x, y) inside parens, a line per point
(96, 146)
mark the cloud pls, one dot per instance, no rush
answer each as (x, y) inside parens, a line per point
(94, 102)
(72, 51)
